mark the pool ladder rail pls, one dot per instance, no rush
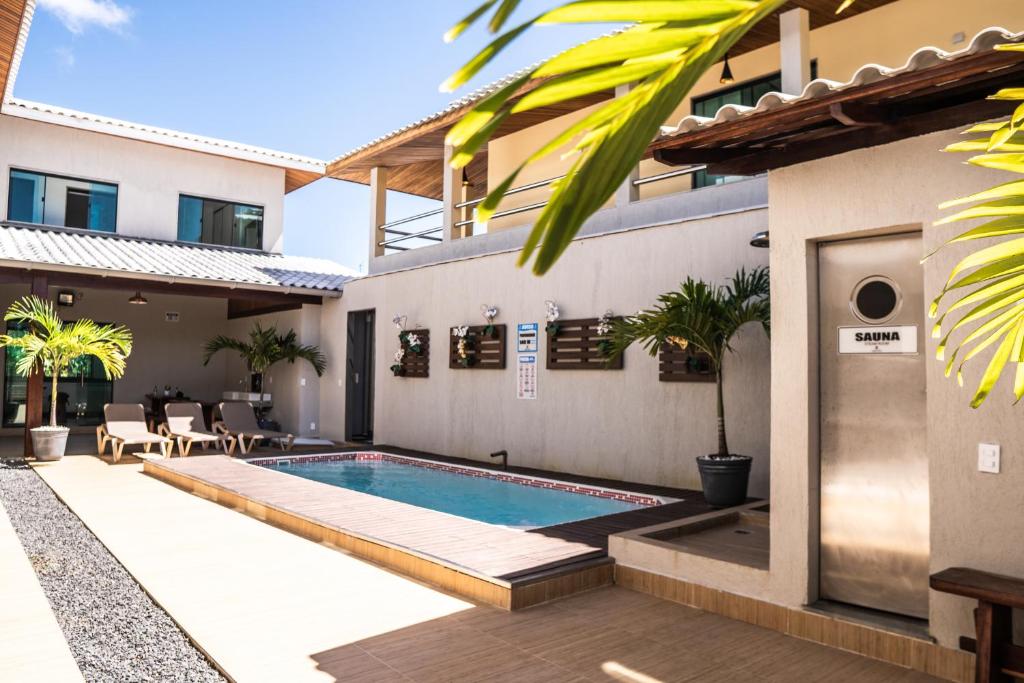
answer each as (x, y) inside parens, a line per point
(503, 454)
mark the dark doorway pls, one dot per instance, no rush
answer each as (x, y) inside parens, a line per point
(359, 377)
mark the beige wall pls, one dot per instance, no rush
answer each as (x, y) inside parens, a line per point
(149, 177)
(975, 518)
(620, 424)
(294, 388)
(163, 352)
(172, 352)
(887, 36)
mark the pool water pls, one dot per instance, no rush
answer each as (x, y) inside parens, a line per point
(480, 498)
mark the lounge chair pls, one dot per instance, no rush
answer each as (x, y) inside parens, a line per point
(185, 424)
(238, 419)
(125, 425)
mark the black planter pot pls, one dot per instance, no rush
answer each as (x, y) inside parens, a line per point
(724, 480)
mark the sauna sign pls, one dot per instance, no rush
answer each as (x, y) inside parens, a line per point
(878, 339)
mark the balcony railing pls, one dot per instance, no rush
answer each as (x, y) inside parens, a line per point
(394, 237)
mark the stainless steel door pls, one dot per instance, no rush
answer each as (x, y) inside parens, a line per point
(874, 466)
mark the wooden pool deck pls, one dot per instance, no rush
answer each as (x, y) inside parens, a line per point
(491, 564)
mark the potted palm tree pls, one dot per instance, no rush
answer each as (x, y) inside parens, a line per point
(50, 345)
(705, 318)
(265, 348)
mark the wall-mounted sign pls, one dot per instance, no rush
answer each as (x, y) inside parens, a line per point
(171, 317)
(526, 376)
(878, 339)
(526, 338)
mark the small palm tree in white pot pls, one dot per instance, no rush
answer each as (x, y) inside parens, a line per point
(49, 345)
(267, 347)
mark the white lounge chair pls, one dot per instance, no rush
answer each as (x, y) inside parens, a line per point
(238, 419)
(185, 424)
(125, 425)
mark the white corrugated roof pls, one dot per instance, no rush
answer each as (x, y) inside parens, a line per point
(63, 116)
(922, 58)
(113, 253)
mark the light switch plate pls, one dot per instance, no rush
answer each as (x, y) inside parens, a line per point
(988, 458)
(302, 381)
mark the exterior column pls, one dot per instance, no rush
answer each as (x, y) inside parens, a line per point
(378, 209)
(34, 388)
(795, 50)
(452, 193)
(627, 192)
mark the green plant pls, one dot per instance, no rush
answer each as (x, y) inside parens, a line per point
(51, 345)
(667, 46)
(703, 317)
(994, 274)
(264, 349)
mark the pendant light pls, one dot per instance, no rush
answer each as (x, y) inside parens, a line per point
(726, 77)
(138, 299)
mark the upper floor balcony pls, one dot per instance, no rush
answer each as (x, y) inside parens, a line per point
(804, 42)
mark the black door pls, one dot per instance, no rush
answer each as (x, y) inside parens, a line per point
(359, 377)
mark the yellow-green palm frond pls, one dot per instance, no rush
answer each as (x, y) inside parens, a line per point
(993, 275)
(663, 49)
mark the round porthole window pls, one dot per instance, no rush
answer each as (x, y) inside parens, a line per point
(876, 299)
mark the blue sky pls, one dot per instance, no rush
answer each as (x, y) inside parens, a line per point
(314, 77)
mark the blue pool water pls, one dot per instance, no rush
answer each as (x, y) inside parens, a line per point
(479, 498)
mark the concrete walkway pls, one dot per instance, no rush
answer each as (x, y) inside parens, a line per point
(32, 645)
(259, 601)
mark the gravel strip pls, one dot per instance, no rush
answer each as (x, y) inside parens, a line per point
(116, 633)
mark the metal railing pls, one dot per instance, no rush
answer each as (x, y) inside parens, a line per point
(430, 234)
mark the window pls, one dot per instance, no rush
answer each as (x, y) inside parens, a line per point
(745, 94)
(212, 221)
(58, 200)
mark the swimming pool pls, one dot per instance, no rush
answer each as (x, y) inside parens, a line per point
(484, 495)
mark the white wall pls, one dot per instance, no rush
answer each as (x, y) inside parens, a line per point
(163, 352)
(149, 177)
(294, 388)
(620, 424)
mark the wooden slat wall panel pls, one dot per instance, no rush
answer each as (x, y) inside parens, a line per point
(488, 353)
(417, 364)
(576, 347)
(683, 365)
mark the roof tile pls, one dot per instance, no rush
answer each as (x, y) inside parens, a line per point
(112, 252)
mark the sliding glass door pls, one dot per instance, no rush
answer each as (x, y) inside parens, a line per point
(81, 391)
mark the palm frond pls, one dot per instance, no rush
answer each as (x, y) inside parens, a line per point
(667, 47)
(993, 307)
(222, 343)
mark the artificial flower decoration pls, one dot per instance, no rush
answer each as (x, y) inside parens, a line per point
(490, 313)
(462, 347)
(604, 328)
(552, 317)
(396, 367)
(399, 321)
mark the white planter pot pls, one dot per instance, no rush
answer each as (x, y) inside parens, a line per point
(49, 443)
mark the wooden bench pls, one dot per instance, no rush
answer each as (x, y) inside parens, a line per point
(998, 659)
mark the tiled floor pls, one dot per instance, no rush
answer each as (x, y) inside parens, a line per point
(610, 634)
(270, 606)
